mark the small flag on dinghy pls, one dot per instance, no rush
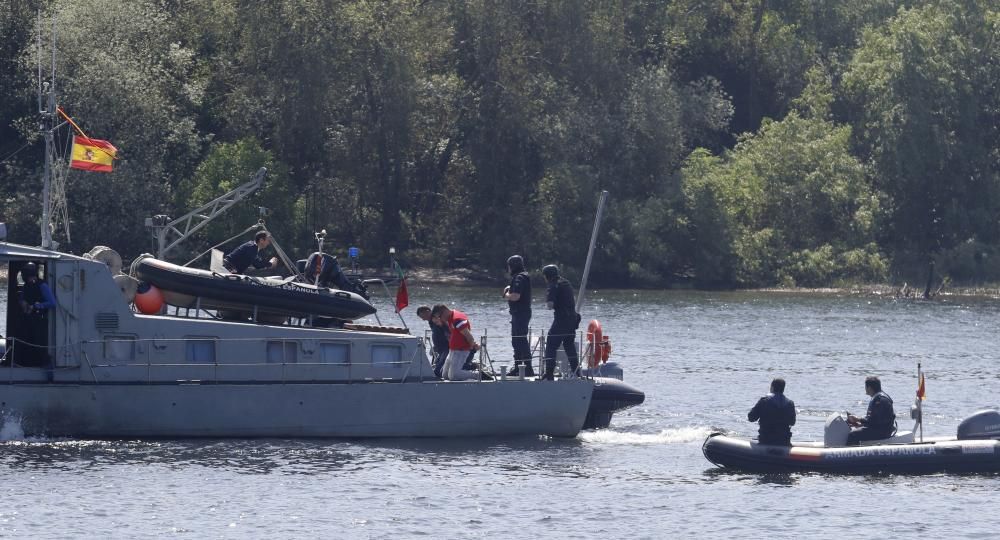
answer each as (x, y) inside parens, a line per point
(92, 154)
(921, 389)
(402, 295)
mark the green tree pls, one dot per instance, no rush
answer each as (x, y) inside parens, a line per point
(792, 203)
(923, 102)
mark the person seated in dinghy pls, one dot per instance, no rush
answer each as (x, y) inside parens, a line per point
(879, 422)
(776, 415)
(248, 254)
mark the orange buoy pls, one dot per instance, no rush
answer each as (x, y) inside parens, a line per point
(595, 336)
(148, 299)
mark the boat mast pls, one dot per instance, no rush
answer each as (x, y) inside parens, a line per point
(590, 251)
(48, 88)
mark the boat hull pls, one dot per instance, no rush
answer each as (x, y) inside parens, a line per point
(938, 456)
(373, 409)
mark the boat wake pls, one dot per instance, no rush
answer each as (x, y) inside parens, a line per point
(11, 429)
(666, 436)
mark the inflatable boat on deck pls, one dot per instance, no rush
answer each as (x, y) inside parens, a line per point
(194, 288)
(975, 449)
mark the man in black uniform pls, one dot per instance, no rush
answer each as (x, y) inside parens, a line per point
(248, 254)
(323, 270)
(35, 299)
(879, 422)
(565, 321)
(518, 296)
(776, 415)
(439, 338)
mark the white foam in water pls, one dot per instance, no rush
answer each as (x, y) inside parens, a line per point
(11, 430)
(666, 436)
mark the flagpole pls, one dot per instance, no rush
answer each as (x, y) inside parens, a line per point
(920, 401)
(402, 283)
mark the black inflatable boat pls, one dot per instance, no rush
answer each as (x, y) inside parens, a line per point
(191, 287)
(976, 449)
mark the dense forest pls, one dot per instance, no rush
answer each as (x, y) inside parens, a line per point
(744, 143)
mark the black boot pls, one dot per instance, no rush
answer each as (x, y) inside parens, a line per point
(528, 371)
(548, 376)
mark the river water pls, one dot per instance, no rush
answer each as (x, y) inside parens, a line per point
(702, 358)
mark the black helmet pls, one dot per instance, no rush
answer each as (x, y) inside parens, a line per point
(515, 263)
(29, 270)
(550, 272)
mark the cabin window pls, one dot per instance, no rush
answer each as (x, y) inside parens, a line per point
(387, 355)
(119, 348)
(282, 352)
(335, 353)
(201, 350)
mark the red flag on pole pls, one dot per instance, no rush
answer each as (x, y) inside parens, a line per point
(921, 390)
(402, 295)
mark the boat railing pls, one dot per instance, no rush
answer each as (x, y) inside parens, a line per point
(536, 341)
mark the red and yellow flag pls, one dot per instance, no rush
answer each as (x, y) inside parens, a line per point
(92, 154)
(921, 389)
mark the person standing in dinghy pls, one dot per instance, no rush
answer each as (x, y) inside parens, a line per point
(776, 415)
(248, 254)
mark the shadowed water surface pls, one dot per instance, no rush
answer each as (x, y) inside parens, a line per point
(702, 359)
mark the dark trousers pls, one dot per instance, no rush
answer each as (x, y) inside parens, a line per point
(566, 338)
(866, 433)
(32, 351)
(439, 358)
(519, 336)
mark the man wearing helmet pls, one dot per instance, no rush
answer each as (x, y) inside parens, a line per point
(518, 297)
(35, 299)
(565, 321)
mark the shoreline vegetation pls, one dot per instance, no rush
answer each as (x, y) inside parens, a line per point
(743, 144)
(476, 277)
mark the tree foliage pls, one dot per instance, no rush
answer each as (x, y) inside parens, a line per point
(744, 143)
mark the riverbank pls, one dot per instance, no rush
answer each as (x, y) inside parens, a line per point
(472, 277)
(476, 277)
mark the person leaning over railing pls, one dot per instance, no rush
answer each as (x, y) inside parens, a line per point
(461, 344)
(439, 338)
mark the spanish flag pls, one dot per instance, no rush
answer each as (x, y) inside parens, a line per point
(921, 389)
(92, 154)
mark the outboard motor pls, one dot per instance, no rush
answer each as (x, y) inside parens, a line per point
(836, 431)
(981, 425)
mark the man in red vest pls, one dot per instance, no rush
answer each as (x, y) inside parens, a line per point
(461, 344)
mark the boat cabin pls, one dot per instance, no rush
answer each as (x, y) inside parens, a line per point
(95, 334)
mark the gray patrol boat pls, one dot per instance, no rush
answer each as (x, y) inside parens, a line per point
(93, 366)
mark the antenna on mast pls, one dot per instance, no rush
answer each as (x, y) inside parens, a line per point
(48, 127)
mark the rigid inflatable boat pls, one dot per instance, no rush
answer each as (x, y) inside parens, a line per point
(975, 449)
(194, 288)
